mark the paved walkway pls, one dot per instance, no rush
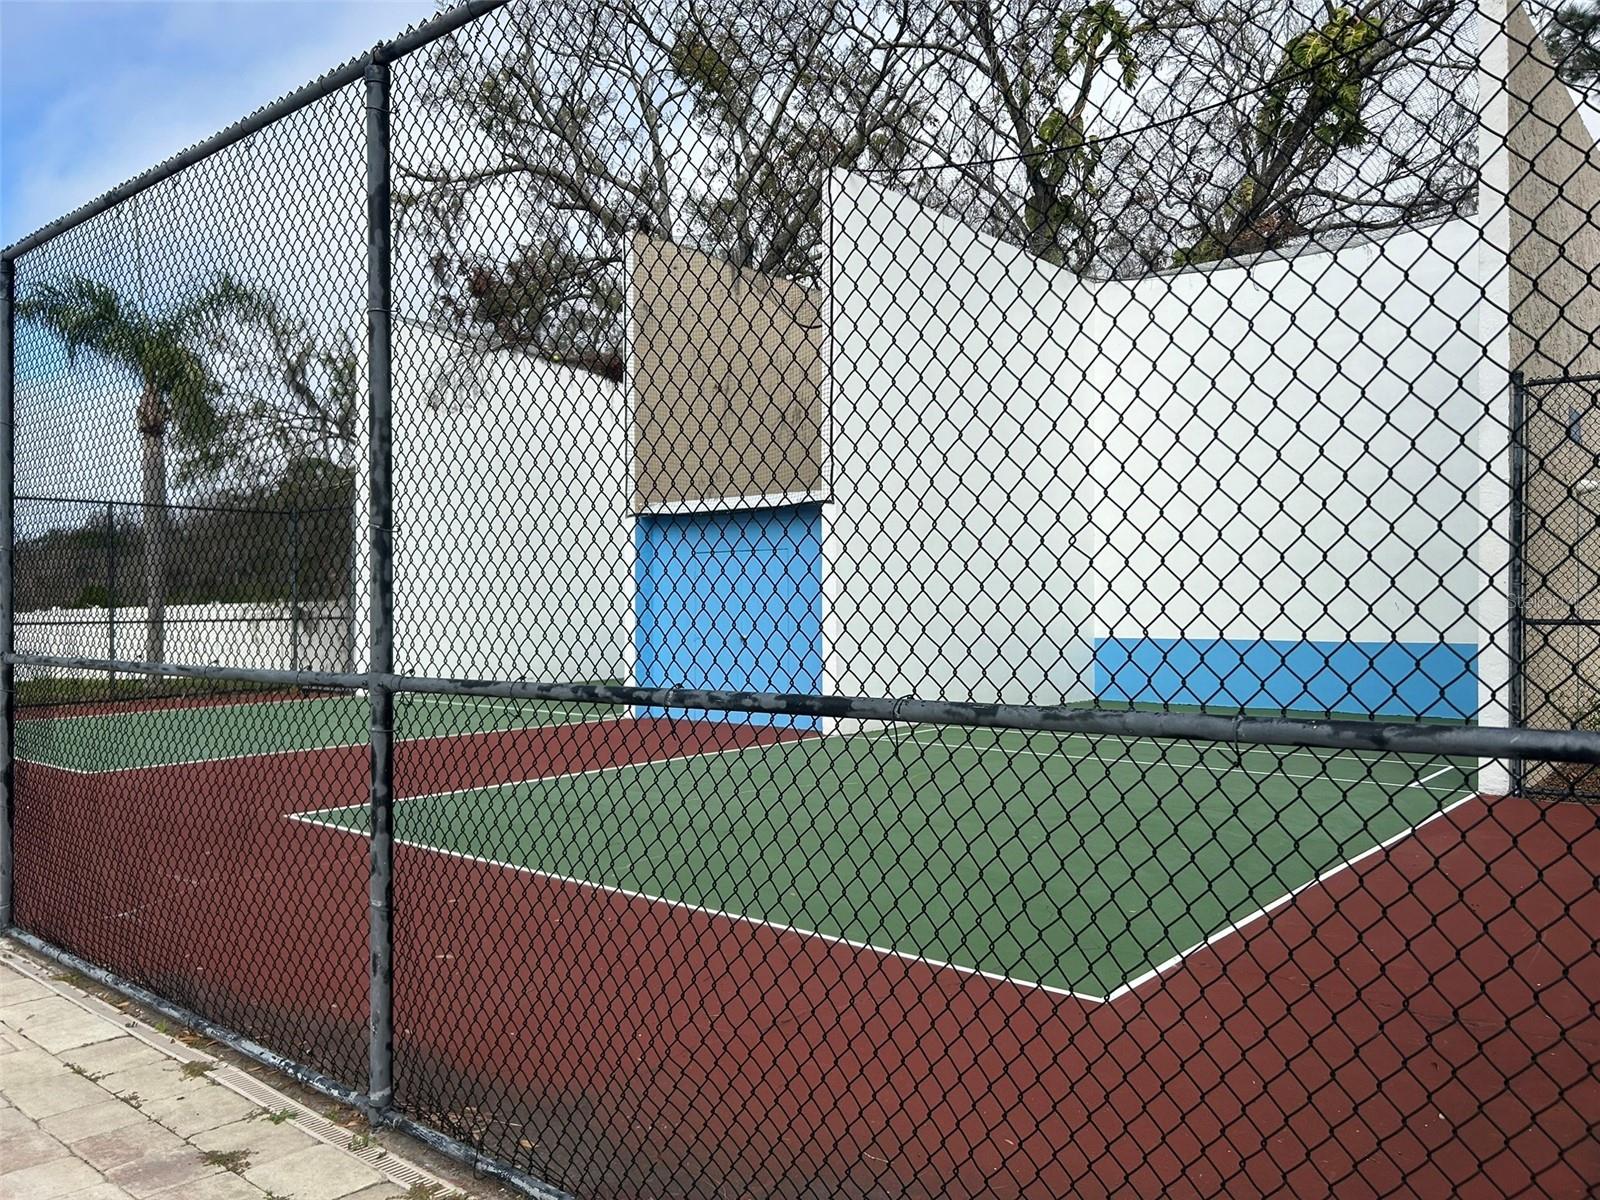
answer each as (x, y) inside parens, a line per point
(95, 1105)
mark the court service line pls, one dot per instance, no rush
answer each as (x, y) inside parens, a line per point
(1239, 926)
(702, 910)
(1200, 764)
(505, 783)
(248, 757)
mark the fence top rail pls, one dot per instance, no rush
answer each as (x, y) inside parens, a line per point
(1549, 381)
(1468, 741)
(347, 73)
(181, 506)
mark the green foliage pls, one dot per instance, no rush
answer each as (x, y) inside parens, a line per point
(714, 66)
(162, 350)
(244, 547)
(1086, 41)
(1313, 107)
(1320, 83)
(1573, 36)
(1092, 36)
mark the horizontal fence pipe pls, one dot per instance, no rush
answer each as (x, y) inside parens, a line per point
(1458, 741)
(330, 679)
(179, 506)
(99, 618)
(434, 29)
(301, 1074)
(341, 76)
(1465, 741)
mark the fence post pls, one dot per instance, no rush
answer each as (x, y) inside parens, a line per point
(111, 593)
(7, 595)
(380, 883)
(294, 589)
(1516, 582)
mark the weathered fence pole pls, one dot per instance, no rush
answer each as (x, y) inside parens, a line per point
(380, 883)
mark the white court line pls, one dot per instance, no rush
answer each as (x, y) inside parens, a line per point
(742, 918)
(1201, 765)
(1423, 781)
(552, 706)
(428, 737)
(1240, 925)
(505, 783)
(177, 703)
(1232, 926)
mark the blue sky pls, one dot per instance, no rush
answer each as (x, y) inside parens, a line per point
(94, 91)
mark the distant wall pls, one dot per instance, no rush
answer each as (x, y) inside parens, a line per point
(958, 553)
(1287, 480)
(252, 636)
(513, 536)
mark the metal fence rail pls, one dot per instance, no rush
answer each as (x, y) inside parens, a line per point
(916, 600)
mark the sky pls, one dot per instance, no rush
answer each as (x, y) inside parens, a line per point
(94, 91)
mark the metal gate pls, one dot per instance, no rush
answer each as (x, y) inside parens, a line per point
(1555, 581)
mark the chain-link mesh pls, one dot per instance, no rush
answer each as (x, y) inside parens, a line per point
(189, 370)
(991, 599)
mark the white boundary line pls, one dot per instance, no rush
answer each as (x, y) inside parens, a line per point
(685, 906)
(178, 703)
(309, 815)
(1230, 928)
(1233, 927)
(194, 762)
(1424, 780)
(1201, 765)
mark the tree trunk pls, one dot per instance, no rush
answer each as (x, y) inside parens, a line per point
(153, 465)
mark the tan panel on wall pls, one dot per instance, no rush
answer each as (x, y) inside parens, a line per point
(727, 381)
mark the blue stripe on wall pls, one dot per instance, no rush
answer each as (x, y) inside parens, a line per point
(733, 601)
(1411, 679)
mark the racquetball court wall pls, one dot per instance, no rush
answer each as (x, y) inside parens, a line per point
(964, 412)
(1296, 432)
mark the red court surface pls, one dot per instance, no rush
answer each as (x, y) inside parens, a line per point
(1421, 1024)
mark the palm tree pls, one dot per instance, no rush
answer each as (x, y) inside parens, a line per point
(179, 389)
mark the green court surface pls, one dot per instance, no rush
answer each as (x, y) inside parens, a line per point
(136, 737)
(1075, 863)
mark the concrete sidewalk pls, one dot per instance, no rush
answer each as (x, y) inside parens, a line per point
(97, 1105)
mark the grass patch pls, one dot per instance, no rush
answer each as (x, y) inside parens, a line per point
(275, 1117)
(229, 1160)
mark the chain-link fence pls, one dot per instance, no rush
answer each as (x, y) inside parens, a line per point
(867, 600)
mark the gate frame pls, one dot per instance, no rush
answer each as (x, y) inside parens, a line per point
(1519, 620)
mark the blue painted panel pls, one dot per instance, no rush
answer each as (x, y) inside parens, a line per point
(1412, 679)
(731, 600)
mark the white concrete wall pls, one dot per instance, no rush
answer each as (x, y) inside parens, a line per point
(254, 636)
(957, 548)
(513, 533)
(1285, 447)
(1024, 462)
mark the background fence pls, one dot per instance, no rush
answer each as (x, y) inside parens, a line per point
(966, 600)
(245, 587)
